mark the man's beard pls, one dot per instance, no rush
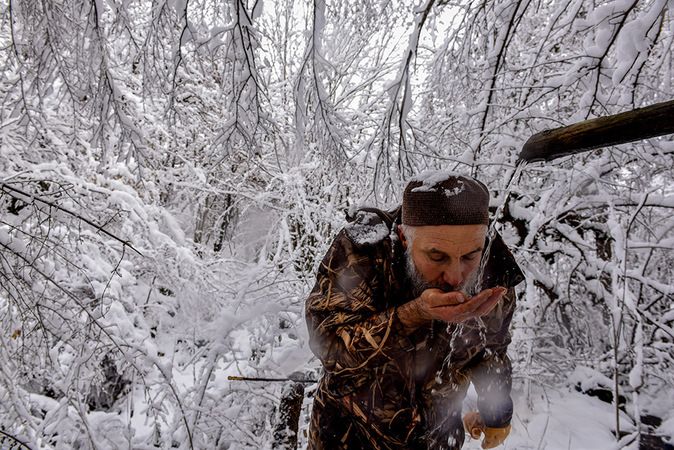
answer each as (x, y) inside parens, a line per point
(419, 285)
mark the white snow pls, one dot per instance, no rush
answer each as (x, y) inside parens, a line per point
(230, 168)
(364, 233)
(589, 378)
(431, 178)
(556, 419)
(667, 428)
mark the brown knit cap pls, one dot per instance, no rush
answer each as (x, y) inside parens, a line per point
(442, 198)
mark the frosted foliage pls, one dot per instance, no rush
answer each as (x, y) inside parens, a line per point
(172, 174)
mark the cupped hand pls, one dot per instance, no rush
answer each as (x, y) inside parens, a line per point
(456, 307)
(452, 307)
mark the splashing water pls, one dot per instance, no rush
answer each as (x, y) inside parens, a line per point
(476, 285)
(491, 233)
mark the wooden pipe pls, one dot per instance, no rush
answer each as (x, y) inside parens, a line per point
(629, 126)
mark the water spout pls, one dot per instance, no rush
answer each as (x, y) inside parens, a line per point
(630, 126)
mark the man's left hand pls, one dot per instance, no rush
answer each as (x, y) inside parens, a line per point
(493, 437)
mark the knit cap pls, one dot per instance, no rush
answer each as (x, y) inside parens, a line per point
(445, 198)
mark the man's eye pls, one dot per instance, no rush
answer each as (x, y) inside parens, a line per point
(470, 257)
(437, 258)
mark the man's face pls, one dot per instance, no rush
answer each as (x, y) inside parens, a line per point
(446, 257)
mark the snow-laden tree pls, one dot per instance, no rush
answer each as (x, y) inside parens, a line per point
(172, 172)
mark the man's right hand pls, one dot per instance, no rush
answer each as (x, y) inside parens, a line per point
(451, 307)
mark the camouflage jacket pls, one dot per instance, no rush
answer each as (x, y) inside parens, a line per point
(384, 387)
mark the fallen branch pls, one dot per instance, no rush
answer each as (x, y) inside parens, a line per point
(296, 379)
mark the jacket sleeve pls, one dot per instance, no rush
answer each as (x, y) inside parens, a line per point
(492, 374)
(350, 330)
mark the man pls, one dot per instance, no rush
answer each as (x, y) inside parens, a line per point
(408, 308)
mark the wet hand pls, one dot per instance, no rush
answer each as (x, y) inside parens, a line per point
(452, 307)
(456, 307)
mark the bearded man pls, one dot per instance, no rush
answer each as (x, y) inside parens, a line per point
(409, 307)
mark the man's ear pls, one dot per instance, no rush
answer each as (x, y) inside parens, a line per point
(402, 237)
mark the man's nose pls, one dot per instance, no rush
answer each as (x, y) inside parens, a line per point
(452, 275)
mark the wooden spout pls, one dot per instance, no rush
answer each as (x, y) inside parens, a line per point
(630, 126)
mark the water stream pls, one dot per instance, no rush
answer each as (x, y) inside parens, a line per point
(458, 332)
(492, 231)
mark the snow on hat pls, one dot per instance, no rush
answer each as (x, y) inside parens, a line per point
(444, 198)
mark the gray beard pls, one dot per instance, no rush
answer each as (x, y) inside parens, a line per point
(419, 285)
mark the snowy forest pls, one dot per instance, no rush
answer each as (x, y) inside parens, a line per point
(172, 172)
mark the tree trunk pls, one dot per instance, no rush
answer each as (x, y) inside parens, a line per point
(285, 430)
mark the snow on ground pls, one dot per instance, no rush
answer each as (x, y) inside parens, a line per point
(558, 419)
(549, 418)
